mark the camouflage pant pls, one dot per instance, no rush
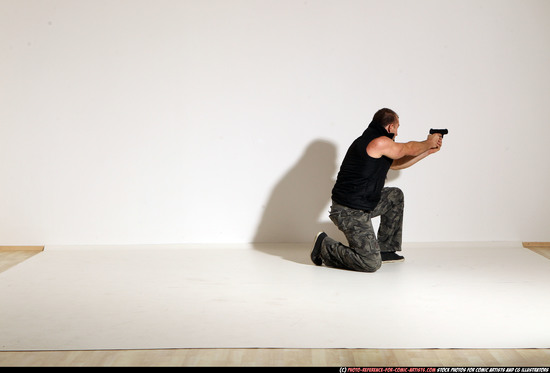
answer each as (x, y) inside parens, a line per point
(363, 252)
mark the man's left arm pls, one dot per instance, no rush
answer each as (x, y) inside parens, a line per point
(409, 160)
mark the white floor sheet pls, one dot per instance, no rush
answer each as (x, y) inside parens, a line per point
(442, 296)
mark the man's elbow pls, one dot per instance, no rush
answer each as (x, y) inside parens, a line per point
(397, 164)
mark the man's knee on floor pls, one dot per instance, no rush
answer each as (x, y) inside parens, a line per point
(372, 264)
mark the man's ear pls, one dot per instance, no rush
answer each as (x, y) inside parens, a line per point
(389, 129)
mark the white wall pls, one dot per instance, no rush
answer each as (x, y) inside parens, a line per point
(177, 121)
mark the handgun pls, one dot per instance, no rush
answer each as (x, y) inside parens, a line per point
(443, 132)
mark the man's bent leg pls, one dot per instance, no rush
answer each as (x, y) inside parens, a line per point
(363, 252)
(390, 209)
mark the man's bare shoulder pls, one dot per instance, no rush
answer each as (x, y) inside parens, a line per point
(379, 146)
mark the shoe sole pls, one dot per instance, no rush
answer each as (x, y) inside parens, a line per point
(313, 249)
(394, 261)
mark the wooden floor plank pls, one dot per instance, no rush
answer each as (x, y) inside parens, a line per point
(281, 357)
(10, 259)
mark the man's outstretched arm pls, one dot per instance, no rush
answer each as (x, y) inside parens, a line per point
(404, 154)
(409, 160)
(384, 146)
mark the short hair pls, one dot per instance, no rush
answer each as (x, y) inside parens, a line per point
(385, 117)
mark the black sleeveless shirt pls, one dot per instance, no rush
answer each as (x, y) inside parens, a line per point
(361, 178)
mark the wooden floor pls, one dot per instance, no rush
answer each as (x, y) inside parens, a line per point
(280, 357)
(273, 357)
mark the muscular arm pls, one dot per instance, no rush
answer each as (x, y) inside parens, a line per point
(409, 160)
(403, 154)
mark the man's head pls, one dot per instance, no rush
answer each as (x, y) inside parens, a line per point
(388, 119)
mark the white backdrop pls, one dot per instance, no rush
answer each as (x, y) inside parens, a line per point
(197, 121)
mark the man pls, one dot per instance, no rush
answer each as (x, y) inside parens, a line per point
(359, 195)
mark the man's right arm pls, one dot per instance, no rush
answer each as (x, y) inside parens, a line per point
(384, 146)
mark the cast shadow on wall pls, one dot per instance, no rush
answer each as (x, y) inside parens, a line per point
(298, 206)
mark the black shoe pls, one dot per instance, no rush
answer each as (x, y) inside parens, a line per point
(391, 257)
(316, 252)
